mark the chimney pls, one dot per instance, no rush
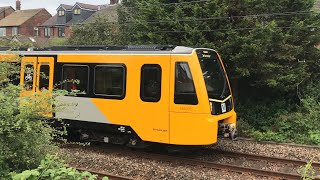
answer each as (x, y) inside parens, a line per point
(114, 2)
(18, 5)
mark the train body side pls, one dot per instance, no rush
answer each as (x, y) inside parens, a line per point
(162, 122)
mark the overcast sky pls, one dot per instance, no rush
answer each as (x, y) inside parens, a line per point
(50, 5)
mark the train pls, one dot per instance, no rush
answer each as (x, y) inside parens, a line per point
(135, 95)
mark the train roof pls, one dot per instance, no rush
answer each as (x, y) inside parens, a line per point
(55, 50)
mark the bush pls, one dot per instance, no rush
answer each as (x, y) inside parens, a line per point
(281, 122)
(25, 137)
(53, 168)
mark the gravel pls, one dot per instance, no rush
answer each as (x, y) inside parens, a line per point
(134, 165)
(275, 150)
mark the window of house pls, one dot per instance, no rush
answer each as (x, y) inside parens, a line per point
(77, 11)
(3, 31)
(44, 77)
(110, 81)
(150, 86)
(14, 31)
(184, 90)
(61, 12)
(61, 32)
(75, 78)
(47, 32)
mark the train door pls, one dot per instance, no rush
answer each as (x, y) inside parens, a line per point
(189, 105)
(37, 75)
(44, 84)
(28, 77)
(45, 68)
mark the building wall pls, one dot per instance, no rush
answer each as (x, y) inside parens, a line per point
(27, 28)
(54, 33)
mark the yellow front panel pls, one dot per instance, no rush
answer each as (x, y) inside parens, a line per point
(193, 129)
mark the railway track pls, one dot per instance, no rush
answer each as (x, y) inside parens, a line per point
(277, 143)
(230, 167)
(104, 174)
(193, 161)
(266, 158)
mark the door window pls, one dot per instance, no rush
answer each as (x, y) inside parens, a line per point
(184, 91)
(44, 77)
(28, 77)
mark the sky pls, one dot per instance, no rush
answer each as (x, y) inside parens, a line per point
(50, 5)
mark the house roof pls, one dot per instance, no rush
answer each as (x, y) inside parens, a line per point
(4, 8)
(65, 7)
(51, 22)
(86, 6)
(17, 18)
(109, 12)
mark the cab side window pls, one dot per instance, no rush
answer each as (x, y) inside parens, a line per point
(184, 90)
(150, 86)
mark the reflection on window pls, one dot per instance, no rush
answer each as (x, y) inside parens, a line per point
(61, 13)
(185, 92)
(75, 78)
(44, 77)
(110, 81)
(77, 11)
(28, 77)
(150, 87)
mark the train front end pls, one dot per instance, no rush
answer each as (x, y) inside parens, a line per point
(219, 92)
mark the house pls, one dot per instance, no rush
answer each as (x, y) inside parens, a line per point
(23, 22)
(67, 16)
(60, 24)
(5, 11)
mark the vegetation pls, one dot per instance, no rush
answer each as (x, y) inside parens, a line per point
(307, 172)
(53, 168)
(269, 47)
(26, 138)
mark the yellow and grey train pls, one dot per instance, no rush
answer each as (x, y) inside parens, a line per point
(164, 94)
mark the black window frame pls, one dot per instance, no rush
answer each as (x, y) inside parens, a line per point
(88, 79)
(142, 78)
(117, 97)
(177, 96)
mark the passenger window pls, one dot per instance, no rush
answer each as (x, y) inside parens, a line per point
(28, 77)
(44, 77)
(75, 78)
(184, 92)
(150, 87)
(110, 81)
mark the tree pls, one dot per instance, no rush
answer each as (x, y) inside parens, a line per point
(261, 41)
(99, 32)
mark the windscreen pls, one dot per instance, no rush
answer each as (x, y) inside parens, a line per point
(213, 74)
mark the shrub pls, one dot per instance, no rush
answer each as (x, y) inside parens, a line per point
(53, 168)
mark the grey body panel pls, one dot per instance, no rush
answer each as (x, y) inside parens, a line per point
(79, 108)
